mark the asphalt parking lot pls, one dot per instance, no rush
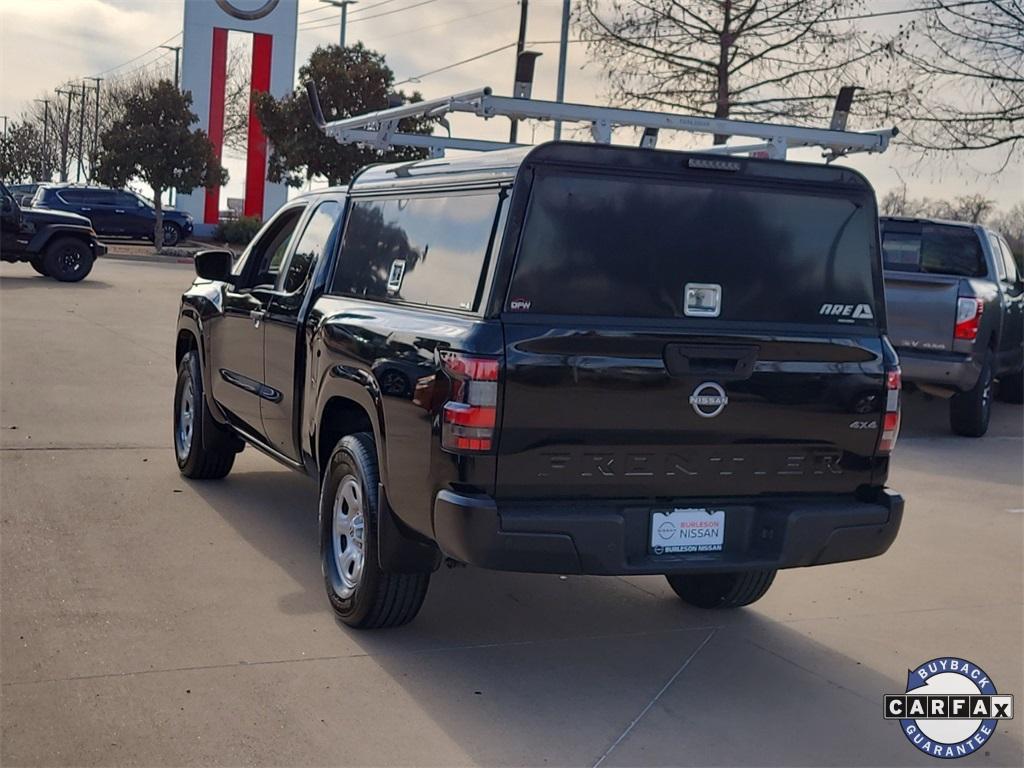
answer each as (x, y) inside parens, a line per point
(149, 620)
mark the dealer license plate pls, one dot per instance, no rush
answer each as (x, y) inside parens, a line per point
(687, 530)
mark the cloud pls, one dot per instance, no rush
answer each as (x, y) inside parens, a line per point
(44, 43)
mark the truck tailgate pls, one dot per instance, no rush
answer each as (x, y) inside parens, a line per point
(921, 310)
(625, 413)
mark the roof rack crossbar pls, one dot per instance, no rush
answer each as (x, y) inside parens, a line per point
(379, 129)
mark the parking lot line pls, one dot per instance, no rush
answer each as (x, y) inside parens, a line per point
(654, 700)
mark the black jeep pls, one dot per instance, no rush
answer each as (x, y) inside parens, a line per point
(56, 244)
(571, 358)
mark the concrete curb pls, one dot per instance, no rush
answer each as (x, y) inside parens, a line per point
(154, 259)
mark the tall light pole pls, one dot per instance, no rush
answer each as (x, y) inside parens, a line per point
(343, 4)
(44, 171)
(177, 60)
(81, 135)
(95, 129)
(563, 49)
(64, 137)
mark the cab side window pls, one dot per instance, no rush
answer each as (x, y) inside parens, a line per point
(317, 239)
(431, 251)
(261, 263)
(997, 257)
(1012, 273)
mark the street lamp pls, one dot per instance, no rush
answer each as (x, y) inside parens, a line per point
(343, 4)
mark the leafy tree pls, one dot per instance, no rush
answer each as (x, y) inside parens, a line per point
(153, 140)
(745, 59)
(21, 153)
(350, 81)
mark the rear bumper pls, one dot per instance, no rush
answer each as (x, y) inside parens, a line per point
(612, 538)
(942, 369)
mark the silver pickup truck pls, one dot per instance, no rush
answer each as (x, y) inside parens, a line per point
(955, 303)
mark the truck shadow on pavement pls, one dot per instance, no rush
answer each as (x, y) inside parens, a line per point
(525, 669)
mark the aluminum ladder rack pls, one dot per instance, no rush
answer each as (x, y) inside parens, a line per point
(379, 129)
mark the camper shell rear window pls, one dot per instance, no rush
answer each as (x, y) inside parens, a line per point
(600, 244)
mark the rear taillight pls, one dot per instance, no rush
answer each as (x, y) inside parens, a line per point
(469, 417)
(968, 318)
(891, 417)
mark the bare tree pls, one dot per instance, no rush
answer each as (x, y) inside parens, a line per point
(974, 208)
(237, 95)
(114, 93)
(968, 63)
(751, 59)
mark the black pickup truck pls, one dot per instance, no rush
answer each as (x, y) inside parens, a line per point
(573, 358)
(956, 314)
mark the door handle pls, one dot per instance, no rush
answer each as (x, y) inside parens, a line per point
(732, 363)
(257, 316)
(119, 210)
(86, 209)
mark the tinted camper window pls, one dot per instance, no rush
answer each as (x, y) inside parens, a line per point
(427, 250)
(598, 245)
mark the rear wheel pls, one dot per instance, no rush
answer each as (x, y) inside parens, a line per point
(722, 590)
(203, 449)
(67, 259)
(1011, 388)
(38, 266)
(969, 411)
(362, 595)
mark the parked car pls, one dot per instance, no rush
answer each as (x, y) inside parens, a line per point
(606, 374)
(114, 212)
(956, 314)
(56, 244)
(23, 193)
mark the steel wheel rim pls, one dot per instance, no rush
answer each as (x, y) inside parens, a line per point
(69, 259)
(348, 535)
(186, 421)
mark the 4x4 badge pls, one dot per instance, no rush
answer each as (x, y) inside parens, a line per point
(709, 399)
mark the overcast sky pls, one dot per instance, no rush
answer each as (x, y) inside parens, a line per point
(44, 43)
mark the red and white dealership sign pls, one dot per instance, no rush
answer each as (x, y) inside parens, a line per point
(272, 24)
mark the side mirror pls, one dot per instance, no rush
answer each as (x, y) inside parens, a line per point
(215, 264)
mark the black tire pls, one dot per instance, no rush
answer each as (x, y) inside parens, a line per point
(369, 598)
(722, 590)
(172, 234)
(67, 259)
(969, 411)
(38, 266)
(209, 451)
(1011, 388)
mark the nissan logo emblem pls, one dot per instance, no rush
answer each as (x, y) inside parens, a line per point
(247, 15)
(709, 400)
